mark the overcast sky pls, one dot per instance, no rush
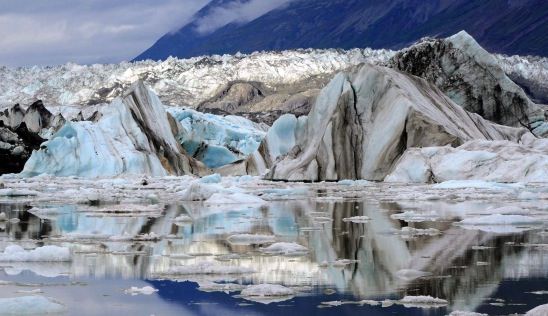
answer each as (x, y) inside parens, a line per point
(49, 32)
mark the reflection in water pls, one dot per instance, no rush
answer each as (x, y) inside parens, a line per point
(118, 245)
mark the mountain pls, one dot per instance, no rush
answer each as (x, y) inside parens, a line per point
(504, 26)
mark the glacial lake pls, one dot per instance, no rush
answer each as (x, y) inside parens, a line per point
(364, 266)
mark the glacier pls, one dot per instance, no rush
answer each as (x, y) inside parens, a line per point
(365, 119)
(360, 124)
(178, 82)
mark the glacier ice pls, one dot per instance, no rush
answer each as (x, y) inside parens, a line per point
(216, 140)
(16, 253)
(30, 305)
(365, 119)
(133, 136)
(177, 81)
(495, 161)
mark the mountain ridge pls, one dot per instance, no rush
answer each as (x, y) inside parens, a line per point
(509, 27)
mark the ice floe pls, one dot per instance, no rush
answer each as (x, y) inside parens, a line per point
(251, 239)
(415, 217)
(30, 305)
(285, 248)
(146, 290)
(233, 198)
(423, 301)
(208, 268)
(357, 219)
(541, 310)
(267, 293)
(16, 253)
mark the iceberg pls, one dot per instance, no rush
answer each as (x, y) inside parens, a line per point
(133, 136)
(30, 305)
(216, 140)
(365, 119)
(472, 78)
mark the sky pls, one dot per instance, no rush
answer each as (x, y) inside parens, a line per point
(51, 32)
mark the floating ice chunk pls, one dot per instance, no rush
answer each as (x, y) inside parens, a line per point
(477, 184)
(267, 293)
(354, 182)
(35, 291)
(16, 253)
(499, 219)
(251, 239)
(267, 290)
(148, 237)
(357, 219)
(199, 191)
(289, 192)
(369, 302)
(18, 192)
(415, 217)
(214, 178)
(502, 224)
(146, 290)
(182, 219)
(422, 301)
(361, 303)
(411, 231)
(30, 305)
(463, 313)
(234, 198)
(507, 210)
(411, 274)
(207, 286)
(285, 248)
(209, 268)
(539, 292)
(541, 310)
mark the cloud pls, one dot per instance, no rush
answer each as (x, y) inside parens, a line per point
(237, 11)
(85, 31)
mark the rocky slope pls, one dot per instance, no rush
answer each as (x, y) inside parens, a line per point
(511, 27)
(364, 120)
(22, 131)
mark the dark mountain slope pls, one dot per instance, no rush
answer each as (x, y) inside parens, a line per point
(504, 26)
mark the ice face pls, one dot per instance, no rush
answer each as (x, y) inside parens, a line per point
(133, 136)
(91, 150)
(216, 140)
